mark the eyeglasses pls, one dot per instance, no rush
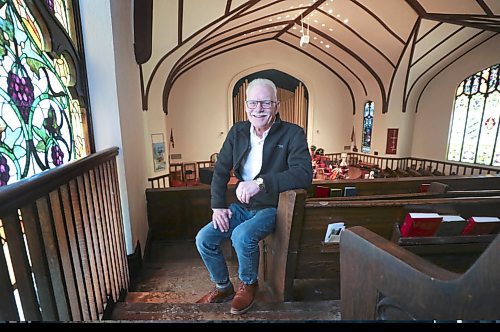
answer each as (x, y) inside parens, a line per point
(251, 104)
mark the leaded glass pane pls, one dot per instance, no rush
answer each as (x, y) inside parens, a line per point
(475, 123)
(35, 101)
(472, 128)
(458, 128)
(367, 127)
(496, 156)
(28, 20)
(493, 81)
(489, 129)
(61, 11)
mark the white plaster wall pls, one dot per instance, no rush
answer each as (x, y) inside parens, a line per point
(200, 101)
(115, 104)
(433, 118)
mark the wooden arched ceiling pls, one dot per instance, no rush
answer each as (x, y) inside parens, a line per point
(363, 42)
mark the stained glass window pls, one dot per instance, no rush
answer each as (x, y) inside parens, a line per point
(474, 134)
(41, 124)
(61, 10)
(366, 140)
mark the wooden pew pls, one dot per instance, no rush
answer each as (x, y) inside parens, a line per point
(454, 253)
(296, 252)
(436, 189)
(381, 280)
(440, 191)
(178, 213)
(385, 186)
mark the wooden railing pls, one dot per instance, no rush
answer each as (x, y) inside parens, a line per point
(161, 181)
(63, 256)
(445, 167)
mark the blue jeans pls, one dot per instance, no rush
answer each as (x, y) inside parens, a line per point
(246, 229)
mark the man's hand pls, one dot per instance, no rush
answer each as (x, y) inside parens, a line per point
(246, 190)
(220, 219)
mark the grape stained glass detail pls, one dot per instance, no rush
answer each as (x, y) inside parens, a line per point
(366, 139)
(474, 133)
(35, 104)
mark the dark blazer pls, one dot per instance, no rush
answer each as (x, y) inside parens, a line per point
(286, 163)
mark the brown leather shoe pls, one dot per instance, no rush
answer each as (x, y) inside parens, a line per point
(218, 296)
(244, 298)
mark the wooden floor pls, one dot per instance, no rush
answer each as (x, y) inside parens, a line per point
(173, 277)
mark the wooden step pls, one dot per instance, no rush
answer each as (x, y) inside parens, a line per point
(261, 311)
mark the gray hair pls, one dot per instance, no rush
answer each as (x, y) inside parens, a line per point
(263, 82)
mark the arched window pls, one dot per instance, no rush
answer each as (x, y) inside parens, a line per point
(474, 134)
(366, 139)
(43, 119)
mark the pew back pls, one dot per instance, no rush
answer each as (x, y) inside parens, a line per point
(381, 280)
(308, 258)
(408, 185)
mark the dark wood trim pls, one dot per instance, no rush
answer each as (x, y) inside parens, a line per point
(463, 20)
(164, 57)
(456, 59)
(39, 263)
(9, 307)
(134, 262)
(379, 20)
(29, 189)
(407, 76)
(191, 63)
(417, 7)
(339, 62)
(83, 66)
(20, 264)
(228, 7)
(413, 34)
(361, 61)
(441, 42)
(485, 7)
(143, 30)
(144, 98)
(359, 36)
(297, 20)
(430, 31)
(407, 94)
(332, 71)
(180, 22)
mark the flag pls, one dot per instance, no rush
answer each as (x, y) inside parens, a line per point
(172, 138)
(353, 138)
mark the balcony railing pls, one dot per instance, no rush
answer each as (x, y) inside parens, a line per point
(62, 254)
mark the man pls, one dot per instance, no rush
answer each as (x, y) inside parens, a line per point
(268, 156)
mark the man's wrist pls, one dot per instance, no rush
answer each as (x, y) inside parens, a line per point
(260, 182)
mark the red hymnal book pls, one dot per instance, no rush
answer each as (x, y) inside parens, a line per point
(322, 191)
(481, 225)
(424, 187)
(420, 224)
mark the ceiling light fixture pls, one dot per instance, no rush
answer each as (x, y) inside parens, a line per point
(304, 40)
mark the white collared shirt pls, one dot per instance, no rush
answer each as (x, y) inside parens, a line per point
(253, 162)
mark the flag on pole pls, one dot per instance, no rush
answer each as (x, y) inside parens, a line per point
(172, 138)
(353, 138)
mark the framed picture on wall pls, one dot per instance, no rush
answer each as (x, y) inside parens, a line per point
(159, 162)
(392, 140)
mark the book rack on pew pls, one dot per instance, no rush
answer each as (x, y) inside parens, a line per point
(444, 250)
